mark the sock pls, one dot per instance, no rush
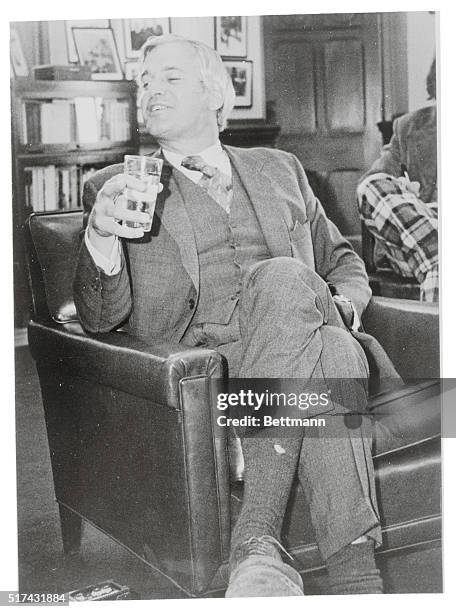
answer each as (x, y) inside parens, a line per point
(352, 570)
(270, 466)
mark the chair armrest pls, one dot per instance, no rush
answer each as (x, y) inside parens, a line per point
(133, 445)
(408, 330)
(120, 361)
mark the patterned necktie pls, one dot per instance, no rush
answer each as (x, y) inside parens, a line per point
(217, 184)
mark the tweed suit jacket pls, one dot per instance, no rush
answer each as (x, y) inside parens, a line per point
(157, 289)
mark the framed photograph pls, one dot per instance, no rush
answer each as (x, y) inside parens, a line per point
(137, 31)
(132, 70)
(97, 49)
(80, 23)
(18, 61)
(231, 36)
(241, 76)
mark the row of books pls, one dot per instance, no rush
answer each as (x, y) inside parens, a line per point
(55, 187)
(83, 120)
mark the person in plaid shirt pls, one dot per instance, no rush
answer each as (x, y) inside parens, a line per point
(397, 198)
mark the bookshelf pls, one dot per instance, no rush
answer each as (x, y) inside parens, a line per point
(62, 132)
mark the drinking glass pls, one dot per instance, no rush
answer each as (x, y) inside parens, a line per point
(147, 170)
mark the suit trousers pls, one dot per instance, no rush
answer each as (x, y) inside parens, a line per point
(286, 325)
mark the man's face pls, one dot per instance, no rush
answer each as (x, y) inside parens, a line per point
(175, 103)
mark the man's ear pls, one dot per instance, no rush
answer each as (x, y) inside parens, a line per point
(215, 100)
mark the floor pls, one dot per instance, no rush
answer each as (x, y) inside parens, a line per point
(42, 566)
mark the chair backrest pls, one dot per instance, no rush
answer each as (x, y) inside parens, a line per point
(52, 245)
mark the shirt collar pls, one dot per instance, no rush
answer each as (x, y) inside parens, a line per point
(211, 155)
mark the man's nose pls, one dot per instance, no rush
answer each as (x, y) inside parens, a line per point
(151, 95)
(155, 88)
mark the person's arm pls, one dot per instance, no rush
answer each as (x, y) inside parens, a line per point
(335, 259)
(102, 294)
(103, 301)
(110, 261)
(391, 160)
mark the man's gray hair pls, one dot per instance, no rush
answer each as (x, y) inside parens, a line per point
(213, 73)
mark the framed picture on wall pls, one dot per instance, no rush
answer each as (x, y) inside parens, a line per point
(97, 49)
(137, 31)
(18, 61)
(241, 77)
(80, 23)
(231, 36)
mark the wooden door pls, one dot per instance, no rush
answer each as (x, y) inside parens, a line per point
(323, 84)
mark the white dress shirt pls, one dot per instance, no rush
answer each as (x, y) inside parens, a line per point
(213, 155)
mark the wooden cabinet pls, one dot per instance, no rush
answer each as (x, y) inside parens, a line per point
(62, 131)
(323, 79)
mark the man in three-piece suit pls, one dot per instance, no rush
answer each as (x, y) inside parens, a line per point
(242, 258)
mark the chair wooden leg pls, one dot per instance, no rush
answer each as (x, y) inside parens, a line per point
(71, 527)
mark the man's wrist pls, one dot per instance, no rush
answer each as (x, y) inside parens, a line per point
(102, 243)
(109, 262)
(347, 311)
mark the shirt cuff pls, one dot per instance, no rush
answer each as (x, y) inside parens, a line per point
(348, 312)
(356, 320)
(109, 265)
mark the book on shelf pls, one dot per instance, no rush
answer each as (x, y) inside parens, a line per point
(31, 122)
(52, 187)
(83, 119)
(86, 119)
(118, 120)
(50, 195)
(56, 122)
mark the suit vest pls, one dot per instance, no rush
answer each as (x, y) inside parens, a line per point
(227, 244)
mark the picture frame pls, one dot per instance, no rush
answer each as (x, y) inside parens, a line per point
(96, 48)
(18, 62)
(241, 73)
(80, 23)
(132, 68)
(137, 31)
(231, 36)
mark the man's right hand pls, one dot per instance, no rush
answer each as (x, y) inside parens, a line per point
(110, 209)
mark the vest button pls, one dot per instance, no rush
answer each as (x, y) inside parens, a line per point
(191, 303)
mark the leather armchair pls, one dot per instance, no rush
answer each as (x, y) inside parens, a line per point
(133, 449)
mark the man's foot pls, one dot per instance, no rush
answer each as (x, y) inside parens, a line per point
(257, 570)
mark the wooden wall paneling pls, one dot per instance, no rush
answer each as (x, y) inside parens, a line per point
(295, 88)
(344, 85)
(346, 102)
(343, 185)
(373, 95)
(332, 21)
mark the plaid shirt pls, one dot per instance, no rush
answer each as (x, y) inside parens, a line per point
(406, 226)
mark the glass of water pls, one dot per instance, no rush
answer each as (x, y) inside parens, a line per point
(147, 169)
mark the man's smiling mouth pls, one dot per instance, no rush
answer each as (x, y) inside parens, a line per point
(156, 107)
